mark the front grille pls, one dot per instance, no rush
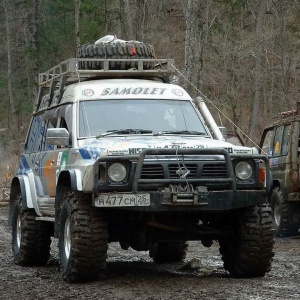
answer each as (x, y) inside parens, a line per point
(214, 171)
(211, 170)
(190, 167)
(152, 172)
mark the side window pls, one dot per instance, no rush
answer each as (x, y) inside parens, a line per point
(36, 139)
(62, 123)
(281, 140)
(278, 141)
(64, 115)
(285, 140)
(267, 145)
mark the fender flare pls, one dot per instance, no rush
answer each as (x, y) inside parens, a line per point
(278, 183)
(68, 180)
(20, 184)
(71, 178)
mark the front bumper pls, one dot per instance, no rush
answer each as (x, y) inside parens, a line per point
(206, 201)
(199, 198)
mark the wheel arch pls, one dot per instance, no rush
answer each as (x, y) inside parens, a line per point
(68, 180)
(19, 185)
(277, 183)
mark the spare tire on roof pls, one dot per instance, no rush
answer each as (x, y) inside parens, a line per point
(117, 49)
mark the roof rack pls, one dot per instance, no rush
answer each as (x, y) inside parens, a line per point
(80, 69)
(286, 114)
(73, 69)
(291, 113)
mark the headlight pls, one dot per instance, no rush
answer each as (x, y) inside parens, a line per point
(116, 172)
(243, 170)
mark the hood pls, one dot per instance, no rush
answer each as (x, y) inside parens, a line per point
(134, 144)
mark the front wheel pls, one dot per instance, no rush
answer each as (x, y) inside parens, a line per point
(283, 215)
(82, 238)
(249, 252)
(31, 239)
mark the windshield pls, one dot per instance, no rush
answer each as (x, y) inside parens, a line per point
(101, 116)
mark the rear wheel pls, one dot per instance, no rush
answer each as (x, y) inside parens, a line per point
(283, 214)
(249, 253)
(82, 238)
(166, 252)
(31, 239)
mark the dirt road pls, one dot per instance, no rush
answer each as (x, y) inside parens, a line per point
(132, 275)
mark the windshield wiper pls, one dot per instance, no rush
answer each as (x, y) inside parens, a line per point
(124, 131)
(191, 132)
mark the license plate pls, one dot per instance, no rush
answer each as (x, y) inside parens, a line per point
(119, 200)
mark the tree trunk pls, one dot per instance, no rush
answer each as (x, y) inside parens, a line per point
(191, 40)
(258, 54)
(9, 58)
(76, 22)
(203, 37)
(283, 50)
(129, 20)
(13, 120)
(34, 45)
(140, 19)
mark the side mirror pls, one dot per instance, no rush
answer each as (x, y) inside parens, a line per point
(58, 136)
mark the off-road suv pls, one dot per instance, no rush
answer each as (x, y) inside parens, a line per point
(120, 155)
(281, 142)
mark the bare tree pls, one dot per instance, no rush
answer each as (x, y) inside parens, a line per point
(141, 19)
(12, 119)
(7, 12)
(76, 22)
(258, 55)
(129, 19)
(34, 45)
(191, 38)
(203, 31)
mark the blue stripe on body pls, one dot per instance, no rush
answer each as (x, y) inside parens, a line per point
(85, 154)
(23, 166)
(89, 152)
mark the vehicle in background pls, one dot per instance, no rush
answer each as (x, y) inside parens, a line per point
(281, 142)
(234, 138)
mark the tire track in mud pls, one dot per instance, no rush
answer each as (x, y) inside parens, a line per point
(133, 275)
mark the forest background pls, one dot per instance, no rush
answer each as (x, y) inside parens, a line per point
(243, 55)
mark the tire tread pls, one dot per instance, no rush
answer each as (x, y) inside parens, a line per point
(251, 252)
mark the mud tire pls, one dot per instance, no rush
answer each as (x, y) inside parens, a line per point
(167, 252)
(249, 253)
(82, 239)
(31, 239)
(283, 215)
(116, 50)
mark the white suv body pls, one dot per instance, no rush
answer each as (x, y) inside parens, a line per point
(135, 157)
